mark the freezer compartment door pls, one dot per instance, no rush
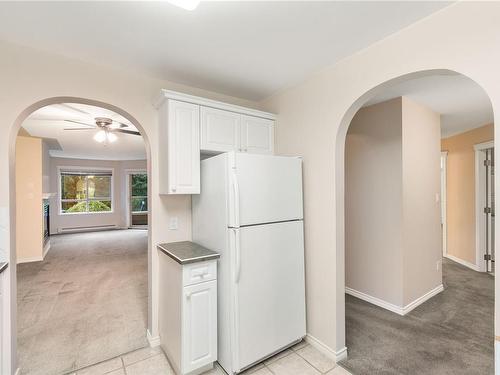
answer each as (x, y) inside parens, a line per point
(264, 189)
(269, 290)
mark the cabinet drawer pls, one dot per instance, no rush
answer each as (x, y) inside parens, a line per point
(199, 272)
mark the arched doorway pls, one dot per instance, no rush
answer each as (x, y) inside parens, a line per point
(340, 187)
(17, 126)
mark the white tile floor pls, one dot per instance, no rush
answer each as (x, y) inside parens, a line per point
(302, 359)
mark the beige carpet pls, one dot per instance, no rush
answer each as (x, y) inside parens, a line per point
(85, 303)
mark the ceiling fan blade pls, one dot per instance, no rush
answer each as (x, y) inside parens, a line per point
(81, 123)
(126, 131)
(79, 129)
(122, 125)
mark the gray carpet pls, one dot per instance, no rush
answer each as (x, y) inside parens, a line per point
(452, 333)
(85, 303)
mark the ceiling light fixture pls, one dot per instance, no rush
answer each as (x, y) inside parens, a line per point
(185, 4)
(104, 136)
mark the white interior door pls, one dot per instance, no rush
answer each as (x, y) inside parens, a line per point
(270, 291)
(267, 188)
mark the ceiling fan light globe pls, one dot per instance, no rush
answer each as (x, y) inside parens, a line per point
(111, 137)
(100, 136)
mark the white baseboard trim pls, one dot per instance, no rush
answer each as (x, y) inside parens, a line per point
(462, 262)
(153, 341)
(325, 349)
(46, 249)
(18, 371)
(92, 228)
(431, 293)
(394, 308)
(29, 260)
(375, 301)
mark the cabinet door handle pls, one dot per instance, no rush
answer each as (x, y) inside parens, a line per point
(188, 296)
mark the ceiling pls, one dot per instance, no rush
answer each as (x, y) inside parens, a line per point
(245, 49)
(462, 103)
(49, 122)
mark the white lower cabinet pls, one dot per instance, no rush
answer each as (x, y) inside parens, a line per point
(188, 314)
(200, 325)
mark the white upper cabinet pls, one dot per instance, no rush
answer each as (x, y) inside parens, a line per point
(220, 130)
(257, 135)
(190, 125)
(179, 148)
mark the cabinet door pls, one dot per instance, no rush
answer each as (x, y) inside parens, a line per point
(220, 130)
(183, 148)
(199, 326)
(257, 135)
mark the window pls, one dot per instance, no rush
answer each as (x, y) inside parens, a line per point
(138, 199)
(86, 191)
(139, 193)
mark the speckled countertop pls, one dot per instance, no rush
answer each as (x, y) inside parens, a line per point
(187, 252)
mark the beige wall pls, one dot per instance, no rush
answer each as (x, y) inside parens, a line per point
(460, 191)
(314, 115)
(373, 201)
(119, 215)
(422, 253)
(313, 120)
(29, 234)
(392, 176)
(29, 76)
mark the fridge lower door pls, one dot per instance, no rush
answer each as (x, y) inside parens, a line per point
(269, 290)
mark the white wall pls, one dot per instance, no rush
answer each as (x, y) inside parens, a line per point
(392, 222)
(45, 168)
(373, 201)
(118, 217)
(314, 115)
(30, 76)
(422, 249)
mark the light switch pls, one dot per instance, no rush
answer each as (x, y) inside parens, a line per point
(437, 197)
(174, 223)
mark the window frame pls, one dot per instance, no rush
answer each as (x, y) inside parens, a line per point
(130, 173)
(88, 170)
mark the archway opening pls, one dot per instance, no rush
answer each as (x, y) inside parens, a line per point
(83, 279)
(407, 227)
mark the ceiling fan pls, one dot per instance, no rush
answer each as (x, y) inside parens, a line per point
(107, 127)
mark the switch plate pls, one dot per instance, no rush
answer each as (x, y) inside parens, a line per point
(173, 223)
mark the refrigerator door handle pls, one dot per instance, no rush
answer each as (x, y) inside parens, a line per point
(237, 255)
(236, 190)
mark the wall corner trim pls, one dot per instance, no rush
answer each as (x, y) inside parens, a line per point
(336, 355)
(431, 293)
(154, 341)
(463, 262)
(391, 307)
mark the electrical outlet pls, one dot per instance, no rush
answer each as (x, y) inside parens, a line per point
(174, 223)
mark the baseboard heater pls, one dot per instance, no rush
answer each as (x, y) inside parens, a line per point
(91, 228)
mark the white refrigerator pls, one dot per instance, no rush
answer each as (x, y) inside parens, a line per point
(250, 211)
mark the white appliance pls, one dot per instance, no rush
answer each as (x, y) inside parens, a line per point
(250, 211)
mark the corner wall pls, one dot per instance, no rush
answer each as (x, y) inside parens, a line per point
(460, 191)
(373, 202)
(421, 201)
(392, 210)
